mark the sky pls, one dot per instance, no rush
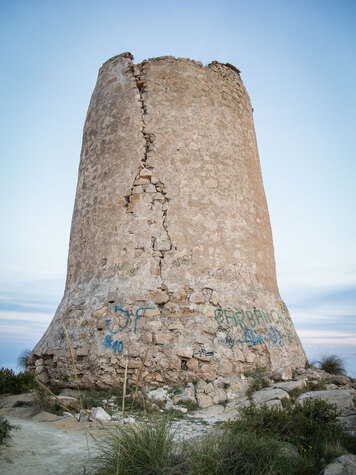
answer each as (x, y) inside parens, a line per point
(297, 60)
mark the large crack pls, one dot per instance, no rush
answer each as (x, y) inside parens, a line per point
(146, 180)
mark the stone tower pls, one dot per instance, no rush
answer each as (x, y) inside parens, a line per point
(171, 242)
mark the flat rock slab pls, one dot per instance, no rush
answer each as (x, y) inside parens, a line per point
(290, 385)
(267, 394)
(7, 400)
(343, 398)
(344, 465)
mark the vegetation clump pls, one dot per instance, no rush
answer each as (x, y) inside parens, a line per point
(146, 449)
(22, 359)
(11, 383)
(311, 426)
(5, 429)
(300, 439)
(332, 364)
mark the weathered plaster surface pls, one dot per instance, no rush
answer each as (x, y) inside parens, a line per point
(171, 240)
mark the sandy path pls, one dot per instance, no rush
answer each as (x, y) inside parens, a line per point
(37, 448)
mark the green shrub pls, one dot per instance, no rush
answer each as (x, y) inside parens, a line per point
(244, 453)
(5, 429)
(11, 383)
(332, 364)
(312, 427)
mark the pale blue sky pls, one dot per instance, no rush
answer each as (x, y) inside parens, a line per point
(297, 60)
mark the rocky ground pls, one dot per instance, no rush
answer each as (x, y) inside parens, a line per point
(48, 443)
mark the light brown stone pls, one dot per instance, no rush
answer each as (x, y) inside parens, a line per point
(162, 338)
(184, 352)
(159, 297)
(100, 312)
(204, 401)
(197, 297)
(192, 364)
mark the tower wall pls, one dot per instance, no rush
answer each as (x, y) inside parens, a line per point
(171, 242)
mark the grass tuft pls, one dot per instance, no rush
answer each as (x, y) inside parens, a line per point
(332, 364)
(22, 359)
(137, 449)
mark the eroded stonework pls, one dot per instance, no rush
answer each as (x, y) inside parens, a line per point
(171, 241)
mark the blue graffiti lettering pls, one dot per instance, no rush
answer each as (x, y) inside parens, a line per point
(118, 346)
(251, 338)
(108, 341)
(118, 309)
(140, 316)
(276, 335)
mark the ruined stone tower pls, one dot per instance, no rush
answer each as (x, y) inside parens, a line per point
(170, 242)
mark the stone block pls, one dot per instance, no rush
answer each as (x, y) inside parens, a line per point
(204, 401)
(197, 297)
(159, 297)
(184, 352)
(161, 338)
(267, 394)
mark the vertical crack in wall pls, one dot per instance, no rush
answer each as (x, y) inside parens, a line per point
(146, 180)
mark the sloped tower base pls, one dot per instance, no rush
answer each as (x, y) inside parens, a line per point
(170, 242)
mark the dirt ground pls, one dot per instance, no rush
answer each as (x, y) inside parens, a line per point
(45, 443)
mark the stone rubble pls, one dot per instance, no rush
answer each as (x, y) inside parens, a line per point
(203, 394)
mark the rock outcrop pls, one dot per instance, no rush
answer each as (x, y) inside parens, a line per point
(170, 244)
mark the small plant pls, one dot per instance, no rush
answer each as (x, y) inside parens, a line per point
(5, 429)
(259, 371)
(43, 401)
(258, 382)
(22, 359)
(332, 364)
(308, 365)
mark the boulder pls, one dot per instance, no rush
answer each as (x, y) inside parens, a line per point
(340, 379)
(267, 394)
(283, 374)
(68, 401)
(100, 414)
(348, 423)
(219, 396)
(344, 465)
(187, 395)
(290, 385)
(343, 398)
(159, 394)
(204, 400)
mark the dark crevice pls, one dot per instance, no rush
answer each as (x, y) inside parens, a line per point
(154, 187)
